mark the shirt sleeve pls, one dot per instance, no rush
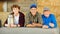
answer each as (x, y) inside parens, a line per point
(54, 21)
(40, 19)
(22, 21)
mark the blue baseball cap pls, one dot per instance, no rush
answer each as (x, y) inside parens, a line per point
(33, 6)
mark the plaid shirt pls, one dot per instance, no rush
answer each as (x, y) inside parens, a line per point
(29, 19)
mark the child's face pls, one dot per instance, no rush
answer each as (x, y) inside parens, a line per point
(15, 10)
(33, 11)
(46, 13)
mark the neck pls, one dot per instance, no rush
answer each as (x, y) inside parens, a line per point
(15, 14)
(34, 14)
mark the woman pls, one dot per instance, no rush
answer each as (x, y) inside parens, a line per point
(19, 18)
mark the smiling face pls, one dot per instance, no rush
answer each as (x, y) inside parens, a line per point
(33, 11)
(46, 13)
(15, 10)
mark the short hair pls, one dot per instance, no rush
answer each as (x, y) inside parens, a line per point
(15, 6)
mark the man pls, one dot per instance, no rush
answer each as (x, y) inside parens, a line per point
(33, 18)
(19, 18)
(49, 20)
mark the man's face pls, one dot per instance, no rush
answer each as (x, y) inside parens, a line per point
(46, 13)
(15, 10)
(33, 11)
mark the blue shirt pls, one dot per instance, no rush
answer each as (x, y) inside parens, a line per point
(50, 19)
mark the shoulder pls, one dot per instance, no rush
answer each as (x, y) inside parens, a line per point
(21, 14)
(42, 15)
(28, 14)
(39, 14)
(52, 15)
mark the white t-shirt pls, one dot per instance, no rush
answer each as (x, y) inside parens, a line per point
(16, 19)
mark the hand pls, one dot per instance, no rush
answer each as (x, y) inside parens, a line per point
(6, 25)
(18, 25)
(51, 24)
(37, 24)
(12, 25)
(34, 24)
(45, 26)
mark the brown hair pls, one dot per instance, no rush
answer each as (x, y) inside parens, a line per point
(15, 6)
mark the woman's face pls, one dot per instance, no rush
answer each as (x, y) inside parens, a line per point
(46, 13)
(16, 10)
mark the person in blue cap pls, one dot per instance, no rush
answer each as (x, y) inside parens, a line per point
(49, 20)
(33, 18)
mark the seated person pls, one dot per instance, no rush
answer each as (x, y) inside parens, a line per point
(33, 18)
(19, 18)
(49, 20)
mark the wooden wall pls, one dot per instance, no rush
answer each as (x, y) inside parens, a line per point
(54, 6)
(1, 4)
